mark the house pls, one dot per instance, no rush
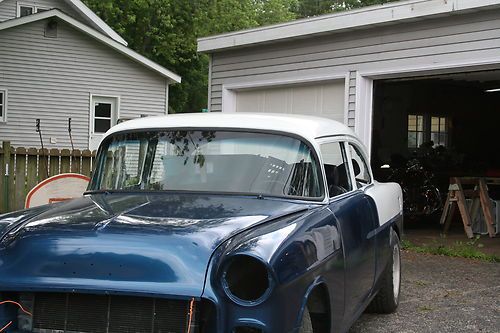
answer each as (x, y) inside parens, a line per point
(59, 60)
(399, 74)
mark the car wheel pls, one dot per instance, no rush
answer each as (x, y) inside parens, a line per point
(387, 298)
(306, 326)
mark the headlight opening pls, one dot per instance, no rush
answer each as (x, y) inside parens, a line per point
(246, 280)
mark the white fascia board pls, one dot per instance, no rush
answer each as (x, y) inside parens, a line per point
(85, 11)
(171, 76)
(361, 18)
(91, 16)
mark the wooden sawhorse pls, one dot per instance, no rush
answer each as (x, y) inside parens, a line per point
(457, 198)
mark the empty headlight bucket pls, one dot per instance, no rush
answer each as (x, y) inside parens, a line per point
(246, 280)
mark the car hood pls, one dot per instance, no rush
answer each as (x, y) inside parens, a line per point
(147, 244)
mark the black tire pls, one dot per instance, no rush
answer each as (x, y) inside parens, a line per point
(387, 298)
(306, 326)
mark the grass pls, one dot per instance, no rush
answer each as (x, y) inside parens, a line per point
(425, 308)
(470, 250)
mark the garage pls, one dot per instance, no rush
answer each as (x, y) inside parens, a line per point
(325, 99)
(455, 113)
(416, 78)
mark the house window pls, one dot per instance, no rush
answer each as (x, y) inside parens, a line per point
(425, 128)
(3, 105)
(439, 131)
(26, 9)
(103, 117)
(415, 130)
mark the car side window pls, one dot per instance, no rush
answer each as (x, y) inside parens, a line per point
(336, 168)
(361, 170)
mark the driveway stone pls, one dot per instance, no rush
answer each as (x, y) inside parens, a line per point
(441, 294)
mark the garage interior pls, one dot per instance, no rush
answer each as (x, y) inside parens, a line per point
(459, 113)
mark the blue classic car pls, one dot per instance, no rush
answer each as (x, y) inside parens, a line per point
(237, 223)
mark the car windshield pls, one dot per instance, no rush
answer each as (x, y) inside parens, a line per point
(208, 161)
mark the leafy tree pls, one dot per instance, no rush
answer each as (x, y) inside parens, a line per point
(307, 8)
(166, 31)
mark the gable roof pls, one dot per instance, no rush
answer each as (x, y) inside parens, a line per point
(389, 13)
(94, 20)
(101, 25)
(171, 76)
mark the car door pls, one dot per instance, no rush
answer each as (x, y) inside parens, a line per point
(382, 203)
(356, 218)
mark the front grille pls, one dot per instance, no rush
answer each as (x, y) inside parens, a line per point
(85, 313)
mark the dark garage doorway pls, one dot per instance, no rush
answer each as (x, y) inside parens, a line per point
(459, 113)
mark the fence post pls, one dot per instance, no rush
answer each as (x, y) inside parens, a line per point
(6, 160)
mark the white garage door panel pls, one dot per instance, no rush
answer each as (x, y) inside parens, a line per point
(326, 100)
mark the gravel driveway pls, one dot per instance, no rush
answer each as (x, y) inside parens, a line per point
(442, 294)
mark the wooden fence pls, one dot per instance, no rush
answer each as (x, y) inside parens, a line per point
(22, 168)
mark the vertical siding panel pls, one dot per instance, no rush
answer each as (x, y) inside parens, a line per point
(216, 92)
(20, 188)
(351, 108)
(65, 161)
(32, 169)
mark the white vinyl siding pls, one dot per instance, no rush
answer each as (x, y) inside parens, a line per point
(9, 8)
(54, 78)
(437, 41)
(325, 99)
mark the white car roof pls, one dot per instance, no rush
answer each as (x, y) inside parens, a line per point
(308, 127)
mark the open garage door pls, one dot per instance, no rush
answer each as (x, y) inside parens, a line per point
(326, 100)
(457, 113)
(428, 129)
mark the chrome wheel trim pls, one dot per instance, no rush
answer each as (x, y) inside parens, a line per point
(396, 272)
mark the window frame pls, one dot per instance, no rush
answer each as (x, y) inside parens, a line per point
(115, 112)
(4, 103)
(416, 131)
(342, 140)
(33, 6)
(363, 155)
(427, 129)
(316, 153)
(445, 132)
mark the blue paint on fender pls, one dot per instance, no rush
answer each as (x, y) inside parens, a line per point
(157, 244)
